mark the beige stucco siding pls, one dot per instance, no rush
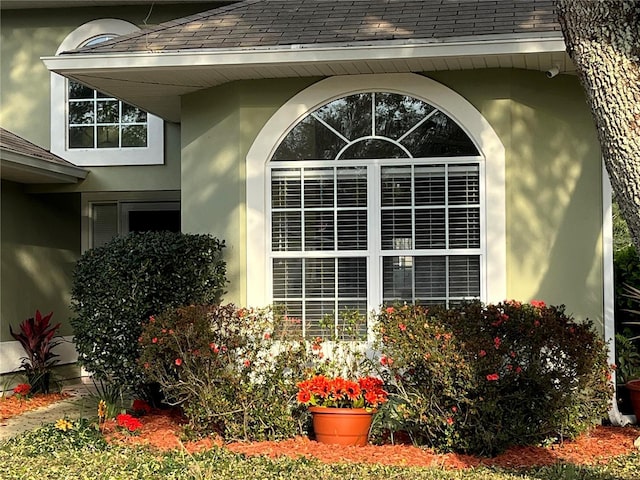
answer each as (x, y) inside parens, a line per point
(40, 245)
(553, 176)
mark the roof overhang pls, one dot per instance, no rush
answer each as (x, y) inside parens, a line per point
(28, 169)
(155, 81)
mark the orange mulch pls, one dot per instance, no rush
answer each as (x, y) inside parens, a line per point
(14, 405)
(161, 430)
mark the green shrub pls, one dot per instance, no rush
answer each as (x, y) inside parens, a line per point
(233, 371)
(119, 285)
(627, 272)
(479, 379)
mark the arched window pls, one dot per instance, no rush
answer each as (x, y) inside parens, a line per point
(374, 197)
(91, 128)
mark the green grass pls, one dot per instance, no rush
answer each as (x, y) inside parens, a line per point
(83, 454)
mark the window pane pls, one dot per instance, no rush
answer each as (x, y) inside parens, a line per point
(309, 140)
(285, 188)
(318, 187)
(431, 230)
(396, 186)
(134, 136)
(108, 137)
(439, 136)
(108, 111)
(352, 187)
(464, 276)
(352, 230)
(287, 278)
(396, 114)
(350, 116)
(352, 277)
(104, 223)
(464, 185)
(429, 185)
(81, 113)
(373, 148)
(79, 91)
(397, 278)
(318, 230)
(320, 277)
(286, 231)
(346, 327)
(431, 278)
(292, 311)
(464, 228)
(397, 230)
(131, 114)
(81, 137)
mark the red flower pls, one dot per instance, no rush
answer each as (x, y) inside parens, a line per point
(304, 396)
(497, 342)
(267, 336)
(536, 323)
(22, 389)
(492, 377)
(402, 326)
(482, 353)
(178, 361)
(154, 340)
(384, 360)
(518, 369)
(246, 363)
(449, 421)
(390, 309)
(127, 421)
(538, 303)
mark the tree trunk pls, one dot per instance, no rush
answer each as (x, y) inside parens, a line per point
(603, 40)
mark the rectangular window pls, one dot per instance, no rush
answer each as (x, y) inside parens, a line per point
(98, 121)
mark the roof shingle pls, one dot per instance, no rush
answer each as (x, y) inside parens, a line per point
(252, 24)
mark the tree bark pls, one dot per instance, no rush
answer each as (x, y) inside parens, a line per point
(603, 40)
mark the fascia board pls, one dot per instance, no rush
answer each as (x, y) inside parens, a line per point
(42, 167)
(297, 54)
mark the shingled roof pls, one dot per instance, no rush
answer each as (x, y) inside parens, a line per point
(26, 162)
(252, 24)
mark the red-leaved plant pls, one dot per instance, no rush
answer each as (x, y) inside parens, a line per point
(36, 335)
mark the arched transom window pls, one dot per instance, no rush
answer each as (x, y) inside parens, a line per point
(375, 197)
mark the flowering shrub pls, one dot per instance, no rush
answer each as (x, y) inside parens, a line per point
(128, 422)
(338, 392)
(233, 370)
(22, 390)
(479, 378)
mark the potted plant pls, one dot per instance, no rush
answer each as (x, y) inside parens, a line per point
(342, 409)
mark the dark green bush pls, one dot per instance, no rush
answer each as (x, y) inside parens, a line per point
(627, 272)
(233, 371)
(117, 287)
(478, 379)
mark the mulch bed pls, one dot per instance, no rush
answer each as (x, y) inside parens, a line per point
(162, 431)
(14, 405)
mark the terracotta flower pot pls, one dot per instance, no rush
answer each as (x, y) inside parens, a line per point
(634, 391)
(341, 426)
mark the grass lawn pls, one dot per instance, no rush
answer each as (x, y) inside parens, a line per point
(48, 453)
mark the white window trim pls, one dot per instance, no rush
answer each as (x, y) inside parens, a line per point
(152, 154)
(450, 102)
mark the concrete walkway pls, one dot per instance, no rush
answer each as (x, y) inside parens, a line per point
(79, 404)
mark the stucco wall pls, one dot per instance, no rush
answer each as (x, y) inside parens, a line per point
(40, 245)
(553, 171)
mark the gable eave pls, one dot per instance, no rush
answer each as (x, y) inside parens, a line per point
(155, 80)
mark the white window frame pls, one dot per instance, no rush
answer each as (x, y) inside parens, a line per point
(455, 106)
(152, 154)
